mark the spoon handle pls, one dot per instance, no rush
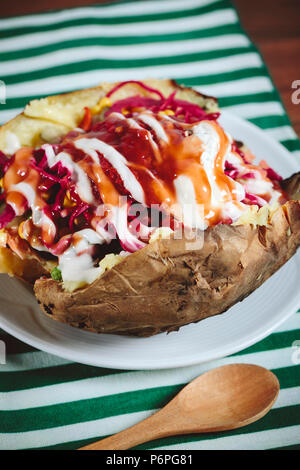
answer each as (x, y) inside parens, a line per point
(150, 428)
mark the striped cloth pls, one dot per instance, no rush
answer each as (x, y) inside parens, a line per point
(48, 402)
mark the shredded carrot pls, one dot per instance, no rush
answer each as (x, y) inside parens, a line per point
(87, 120)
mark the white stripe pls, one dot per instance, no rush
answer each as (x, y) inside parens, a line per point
(136, 51)
(128, 9)
(62, 83)
(253, 110)
(130, 381)
(288, 397)
(260, 440)
(178, 25)
(282, 133)
(296, 153)
(243, 86)
(110, 425)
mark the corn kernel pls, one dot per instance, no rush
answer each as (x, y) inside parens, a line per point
(20, 230)
(103, 103)
(45, 196)
(67, 200)
(167, 112)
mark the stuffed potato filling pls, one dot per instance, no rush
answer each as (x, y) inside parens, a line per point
(132, 166)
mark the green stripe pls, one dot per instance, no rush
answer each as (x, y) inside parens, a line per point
(100, 64)
(115, 20)
(268, 122)
(223, 77)
(288, 376)
(104, 407)
(291, 144)
(243, 99)
(36, 50)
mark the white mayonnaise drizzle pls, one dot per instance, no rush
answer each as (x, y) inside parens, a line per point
(27, 190)
(117, 115)
(186, 197)
(29, 193)
(76, 263)
(82, 182)
(211, 144)
(257, 185)
(155, 126)
(39, 218)
(135, 125)
(119, 219)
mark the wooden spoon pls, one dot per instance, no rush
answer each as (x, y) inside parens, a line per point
(225, 398)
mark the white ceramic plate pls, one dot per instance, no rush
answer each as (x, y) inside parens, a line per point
(243, 325)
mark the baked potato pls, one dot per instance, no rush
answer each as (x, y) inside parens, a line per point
(67, 156)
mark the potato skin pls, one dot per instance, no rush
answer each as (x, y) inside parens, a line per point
(167, 284)
(291, 186)
(28, 269)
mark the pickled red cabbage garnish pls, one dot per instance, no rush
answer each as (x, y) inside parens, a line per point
(189, 112)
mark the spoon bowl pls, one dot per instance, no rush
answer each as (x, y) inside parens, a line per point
(224, 398)
(227, 397)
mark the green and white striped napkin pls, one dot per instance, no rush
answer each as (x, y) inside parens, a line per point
(48, 402)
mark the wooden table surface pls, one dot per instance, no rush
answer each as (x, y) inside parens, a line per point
(273, 25)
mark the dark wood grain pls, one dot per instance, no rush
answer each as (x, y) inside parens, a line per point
(21, 7)
(274, 26)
